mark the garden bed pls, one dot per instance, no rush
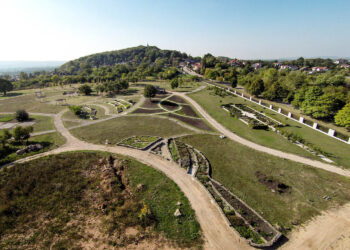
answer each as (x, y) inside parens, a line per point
(188, 110)
(148, 111)
(171, 106)
(151, 103)
(177, 99)
(139, 142)
(197, 123)
(262, 227)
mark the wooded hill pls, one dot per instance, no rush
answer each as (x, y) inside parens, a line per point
(134, 55)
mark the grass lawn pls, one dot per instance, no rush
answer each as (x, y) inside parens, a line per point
(338, 151)
(59, 198)
(122, 127)
(49, 141)
(235, 166)
(7, 117)
(184, 87)
(42, 123)
(212, 104)
(30, 104)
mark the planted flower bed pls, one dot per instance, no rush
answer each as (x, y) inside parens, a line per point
(173, 150)
(184, 154)
(139, 142)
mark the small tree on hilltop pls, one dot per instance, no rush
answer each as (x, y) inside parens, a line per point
(85, 89)
(5, 85)
(150, 91)
(22, 115)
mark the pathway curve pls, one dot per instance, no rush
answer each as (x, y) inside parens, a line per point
(216, 231)
(274, 152)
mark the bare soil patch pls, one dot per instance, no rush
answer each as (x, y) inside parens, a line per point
(197, 123)
(271, 183)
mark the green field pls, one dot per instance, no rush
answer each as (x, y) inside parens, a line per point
(122, 127)
(58, 199)
(212, 104)
(235, 166)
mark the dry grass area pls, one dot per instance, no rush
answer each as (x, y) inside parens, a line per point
(91, 200)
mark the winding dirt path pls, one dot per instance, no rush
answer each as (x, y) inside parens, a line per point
(216, 231)
(274, 152)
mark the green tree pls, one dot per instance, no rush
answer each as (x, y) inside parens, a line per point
(22, 115)
(85, 89)
(174, 83)
(5, 85)
(256, 87)
(342, 118)
(20, 134)
(150, 91)
(5, 136)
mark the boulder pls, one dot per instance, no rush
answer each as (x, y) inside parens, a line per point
(177, 213)
(179, 203)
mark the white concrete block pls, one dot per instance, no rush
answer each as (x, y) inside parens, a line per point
(315, 125)
(331, 132)
(289, 114)
(279, 110)
(301, 119)
(271, 106)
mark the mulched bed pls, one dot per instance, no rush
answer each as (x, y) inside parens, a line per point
(197, 123)
(151, 104)
(148, 111)
(188, 110)
(177, 99)
(169, 105)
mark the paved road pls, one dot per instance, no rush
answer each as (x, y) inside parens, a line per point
(274, 152)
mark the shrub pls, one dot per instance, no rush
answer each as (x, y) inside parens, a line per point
(22, 115)
(85, 89)
(76, 109)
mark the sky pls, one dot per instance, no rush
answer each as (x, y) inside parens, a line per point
(250, 29)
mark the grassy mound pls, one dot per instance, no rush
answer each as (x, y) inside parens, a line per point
(82, 200)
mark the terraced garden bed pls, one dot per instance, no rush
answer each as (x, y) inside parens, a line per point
(139, 142)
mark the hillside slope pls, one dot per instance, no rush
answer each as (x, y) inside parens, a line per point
(133, 55)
